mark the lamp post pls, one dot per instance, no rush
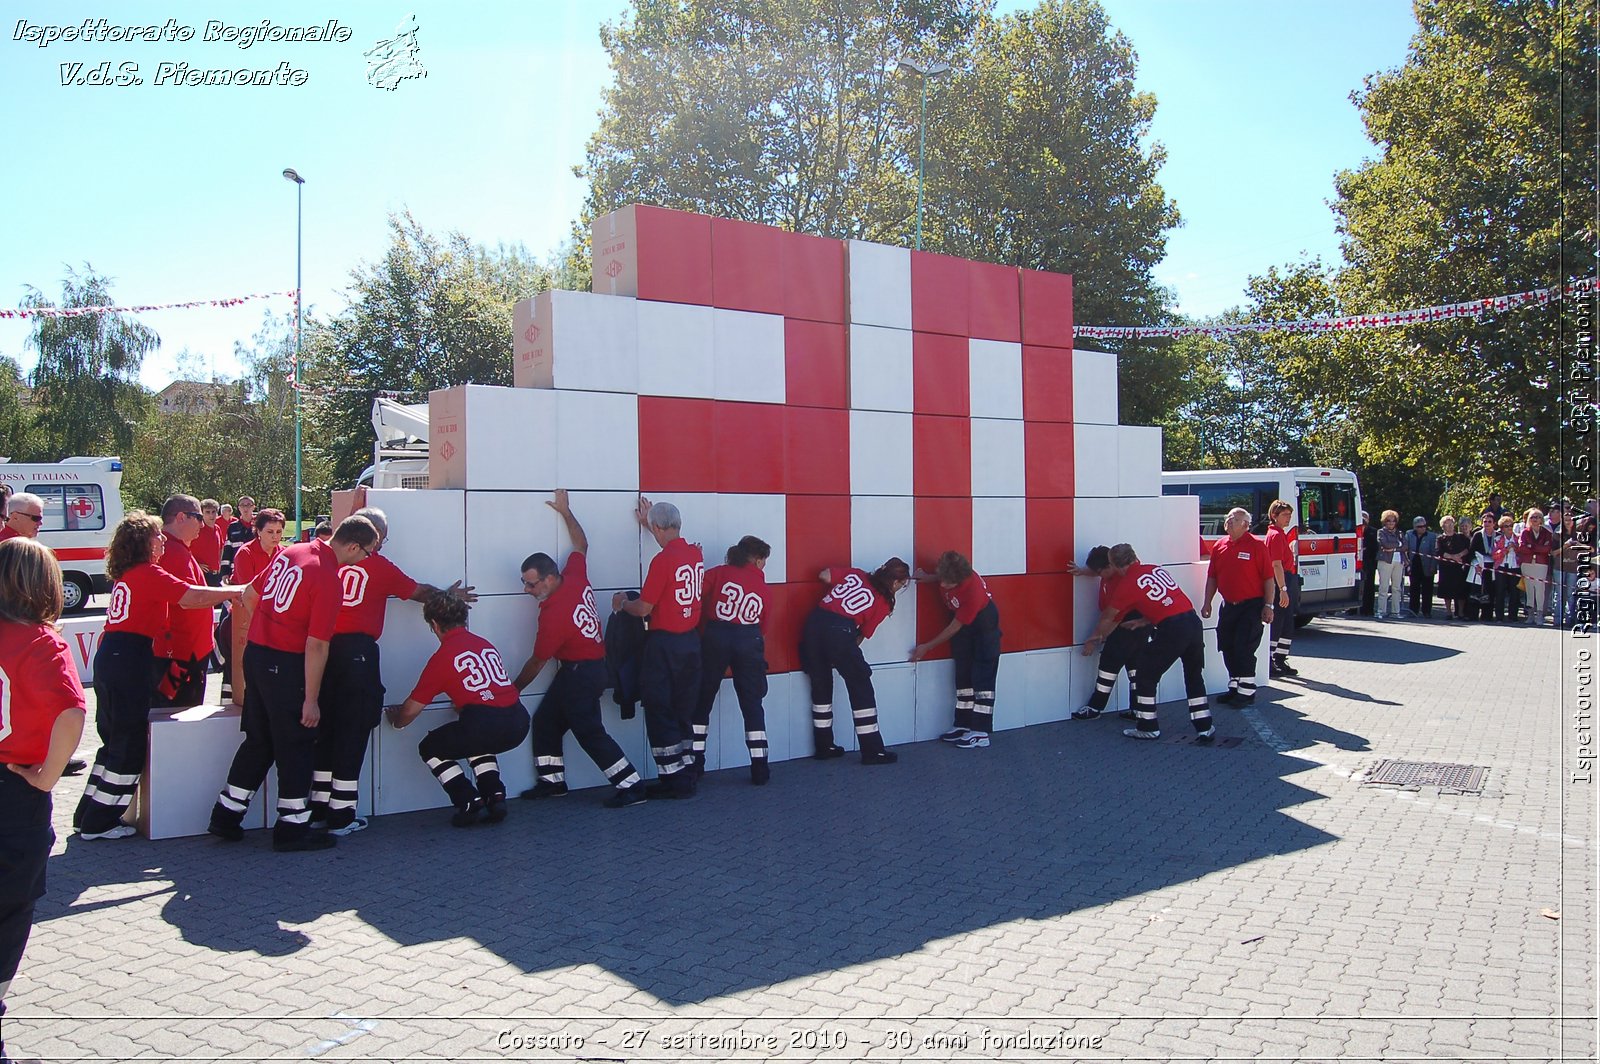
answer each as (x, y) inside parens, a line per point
(299, 314)
(923, 71)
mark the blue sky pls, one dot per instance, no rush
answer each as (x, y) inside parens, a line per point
(176, 192)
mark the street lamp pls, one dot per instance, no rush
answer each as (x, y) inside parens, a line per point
(289, 174)
(924, 71)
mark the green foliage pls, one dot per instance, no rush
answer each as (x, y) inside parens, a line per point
(17, 439)
(86, 382)
(1485, 183)
(431, 313)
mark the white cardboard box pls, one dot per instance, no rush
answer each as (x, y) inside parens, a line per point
(676, 354)
(999, 536)
(999, 466)
(748, 353)
(880, 369)
(880, 284)
(1096, 467)
(576, 340)
(190, 753)
(598, 449)
(1049, 685)
(1094, 387)
(427, 532)
(1138, 460)
(996, 379)
(880, 454)
(492, 439)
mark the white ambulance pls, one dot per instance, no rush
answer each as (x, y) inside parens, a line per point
(1327, 510)
(82, 507)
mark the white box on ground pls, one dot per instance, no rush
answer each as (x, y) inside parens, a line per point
(509, 622)
(1049, 680)
(1138, 460)
(1011, 692)
(880, 284)
(427, 532)
(996, 379)
(999, 536)
(405, 648)
(891, 644)
(675, 350)
(1095, 462)
(880, 369)
(880, 453)
(402, 782)
(1084, 671)
(576, 340)
(190, 753)
(936, 698)
(747, 350)
(999, 466)
(896, 688)
(1094, 387)
(492, 439)
(598, 449)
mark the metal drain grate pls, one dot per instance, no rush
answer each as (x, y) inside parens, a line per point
(1467, 779)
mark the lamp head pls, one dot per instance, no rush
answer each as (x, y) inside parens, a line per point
(290, 175)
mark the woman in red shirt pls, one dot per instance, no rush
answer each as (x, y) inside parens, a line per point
(249, 561)
(40, 725)
(125, 668)
(974, 637)
(733, 617)
(856, 603)
(492, 720)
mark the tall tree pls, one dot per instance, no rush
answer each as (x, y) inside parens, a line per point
(86, 381)
(17, 440)
(433, 312)
(1484, 184)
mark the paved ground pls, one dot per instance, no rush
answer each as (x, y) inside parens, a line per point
(1065, 894)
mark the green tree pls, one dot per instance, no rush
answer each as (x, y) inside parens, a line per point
(1484, 183)
(17, 439)
(86, 381)
(433, 312)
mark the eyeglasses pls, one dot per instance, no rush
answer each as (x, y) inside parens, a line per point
(196, 514)
(529, 585)
(37, 519)
(366, 552)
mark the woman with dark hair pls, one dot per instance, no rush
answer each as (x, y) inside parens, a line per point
(974, 637)
(126, 668)
(249, 561)
(1482, 545)
(491, 720)
(44, 721)
(856, 603)
(733, 619)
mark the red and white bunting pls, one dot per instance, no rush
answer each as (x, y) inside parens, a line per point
(78, 312)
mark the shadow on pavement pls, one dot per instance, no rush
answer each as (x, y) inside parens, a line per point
(830, 865)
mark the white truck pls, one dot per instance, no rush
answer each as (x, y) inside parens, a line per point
(82, 507)
(400, 457)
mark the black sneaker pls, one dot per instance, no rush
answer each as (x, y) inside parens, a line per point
(1274, 670)
(311, 840)
(879, 757)
(1287, 669)
(544, 790)
(1229, 697)
(760, 772)
(469, 815)
(955, 735)
(225, 830)
(829, 752)
(627, 796)
(494, 808)
(669, 787)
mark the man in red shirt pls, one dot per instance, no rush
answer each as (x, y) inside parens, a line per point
(569, 633)
(974, 637)
(1122, 646)
(297, 607)
(733, 640)
(1283, 538)
(669, 672)
(1175, 635)
(1241, 569)
(207, 545)
(352, 688)
(24, 515)
(190, 631)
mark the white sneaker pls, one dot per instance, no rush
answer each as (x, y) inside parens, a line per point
(1135, 733)
(120, 831)
(955, 735)
(358, 824)
(973, 740)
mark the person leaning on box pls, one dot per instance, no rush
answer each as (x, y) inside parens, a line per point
(1241, 570)
(1122, 645)
(733, 640)
(856, 603)
(974, 636)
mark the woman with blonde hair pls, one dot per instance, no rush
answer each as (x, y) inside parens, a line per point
(1534, 545)
(1393, 559)
(126, 668)
(43, 723)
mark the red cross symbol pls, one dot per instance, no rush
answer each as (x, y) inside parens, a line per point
(81, 507)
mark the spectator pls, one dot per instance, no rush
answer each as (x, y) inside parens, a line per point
(974, 637)
(207, 545)
(1423, 548)
(856, 603)
(1495, 506)
(1534, 545)
(1369, 563)
(44, 721)
(324, 531)
(1507, 570)
(1392, 560)
(1568, 554)
(1481, 568)
(24, 516)
(1454, 549)
(241, 531)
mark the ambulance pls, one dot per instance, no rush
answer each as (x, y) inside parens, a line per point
(82, 507)
(1327, 510)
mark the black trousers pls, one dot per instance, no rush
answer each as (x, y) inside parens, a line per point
(1421, 588)
(25, 841)
(1179, 638)
(275, 691)
(1283, 619)
(669, 683)
(124, 682)
(741, 649)
(1239, 630)
(830, 642)
(479, 733)
(352, 705)
(1507, 594)
(573, 704)
(975, 649)
(1120, 650)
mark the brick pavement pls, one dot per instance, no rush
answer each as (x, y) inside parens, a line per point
(1066, 894)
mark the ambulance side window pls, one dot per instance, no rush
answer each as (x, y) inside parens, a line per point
(71, 507)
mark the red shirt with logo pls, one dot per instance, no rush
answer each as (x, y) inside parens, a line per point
(191, 630)
(141, 599)
(368, 585)
(7, 532)
(207, 548)
(1280, 547)
(672, 587)
(853, 596)
(737, 594)
(1152, 591)
(967, 599)
(38, 682)
(300, 598)
(466, 668)
(251, 560)
(569, 622)
(1241, 567)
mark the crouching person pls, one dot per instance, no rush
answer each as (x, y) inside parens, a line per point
(468, 669)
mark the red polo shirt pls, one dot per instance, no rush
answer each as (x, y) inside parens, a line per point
(141, 600)
(300, 598)
(368, 585)
(38, 682)
(569, 622)
(468, 669)
(967, 599)
(853, 596)
(673, 585)
(1152, 591)
(737, 594)
(1241, 567)
(191, 629)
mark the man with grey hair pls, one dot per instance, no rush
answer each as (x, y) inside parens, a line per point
(24, 515)
(669, 672)
(1241, 569)
(352, 689)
